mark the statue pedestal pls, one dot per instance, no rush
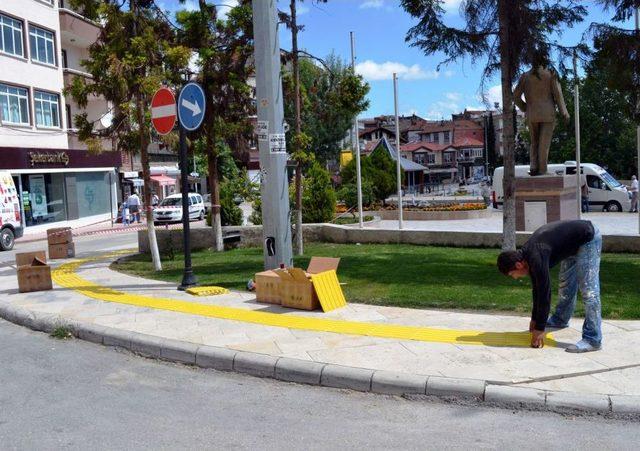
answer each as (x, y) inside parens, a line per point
(543, 199)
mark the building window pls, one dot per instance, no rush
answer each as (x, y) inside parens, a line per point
(447, 139)
(431, 158)
(477, 153)
(14, 105)
(65, 63)
(448, 157)
(67, 109)
(47, 109)
(42, 47)
(11, 36)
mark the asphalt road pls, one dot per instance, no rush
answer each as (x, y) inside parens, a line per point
(76, 395)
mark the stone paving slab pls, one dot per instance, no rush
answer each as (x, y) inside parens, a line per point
(544, 369)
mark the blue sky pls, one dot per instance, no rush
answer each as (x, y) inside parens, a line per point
(380, 27)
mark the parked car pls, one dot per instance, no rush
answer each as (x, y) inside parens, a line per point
(605, 192)
(170, 209)
(10, 221)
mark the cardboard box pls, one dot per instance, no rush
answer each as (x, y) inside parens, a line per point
(59, 235)
(35, 276)
(26, 258)
(267, 287)
(297, 290)
(67, 250)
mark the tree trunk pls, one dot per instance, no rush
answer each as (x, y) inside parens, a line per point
(508, 135)
(214, 185)
(299, 244)
(144, 159)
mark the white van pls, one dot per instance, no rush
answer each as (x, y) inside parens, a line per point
(605, 192)
(170, 209)
(10, 223)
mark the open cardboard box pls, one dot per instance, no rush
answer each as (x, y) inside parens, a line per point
(292, 287)
(34, 274)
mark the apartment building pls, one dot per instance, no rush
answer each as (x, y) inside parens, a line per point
(41, 45)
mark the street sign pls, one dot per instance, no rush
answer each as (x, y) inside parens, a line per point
(163, 111)
(191, 106)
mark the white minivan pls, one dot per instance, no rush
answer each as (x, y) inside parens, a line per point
(10, 223)
(170, 208)
(605, 192)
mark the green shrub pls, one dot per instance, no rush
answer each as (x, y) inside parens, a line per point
(256, 215)
(378, 171)
(230, 213)
(318, 197)
(349, 194)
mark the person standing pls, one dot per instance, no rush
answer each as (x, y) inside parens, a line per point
(125, 214)
(584, 194)
(134, 206)
(155, 200)
(576, 245)
(633, 189)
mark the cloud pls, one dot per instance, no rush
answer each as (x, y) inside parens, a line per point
(226, 6)
(454, 96)
(302, 9)
(372, 4)
(451, 5)
(434, 115)
(449, 73)
(373, 71)
(494, 94)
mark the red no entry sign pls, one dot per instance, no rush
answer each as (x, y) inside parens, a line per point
(163, 111)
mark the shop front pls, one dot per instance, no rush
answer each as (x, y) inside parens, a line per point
(59, 185)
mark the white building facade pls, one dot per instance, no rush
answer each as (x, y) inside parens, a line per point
(41, 45)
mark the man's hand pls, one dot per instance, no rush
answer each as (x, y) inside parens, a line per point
(532, 325)
(537, 339)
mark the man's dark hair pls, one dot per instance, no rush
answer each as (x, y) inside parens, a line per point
(507, 261)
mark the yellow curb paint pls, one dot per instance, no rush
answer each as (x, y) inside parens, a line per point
(66, 276)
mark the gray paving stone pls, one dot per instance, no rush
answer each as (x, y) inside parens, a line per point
(392, 383)
(117, 337)
(45, 322)
(260, 365)
(514, 395)
(301, 371)
(9, 312)
(147, 345)
(346, 377)
(580, 401)
(450, 386)
(91, 332)
(625, 404)
(179, 351)
(214, 357)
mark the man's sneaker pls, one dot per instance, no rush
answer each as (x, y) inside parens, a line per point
(583, 346)
(551, 324)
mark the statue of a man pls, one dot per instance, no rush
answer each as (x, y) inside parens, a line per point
(542, 93)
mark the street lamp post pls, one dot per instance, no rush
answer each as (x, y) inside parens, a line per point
(188, 278)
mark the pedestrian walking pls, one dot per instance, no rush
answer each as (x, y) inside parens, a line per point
(134, 206)
(155, 200)
(633, 189)
(486, 193)
(576, 245)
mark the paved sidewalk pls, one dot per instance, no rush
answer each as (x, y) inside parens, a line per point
(613, 371)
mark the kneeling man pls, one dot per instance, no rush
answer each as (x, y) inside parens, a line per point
(576, 245)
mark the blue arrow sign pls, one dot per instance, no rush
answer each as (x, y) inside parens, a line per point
(191, 106)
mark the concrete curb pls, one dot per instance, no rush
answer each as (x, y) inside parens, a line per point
(322, 374)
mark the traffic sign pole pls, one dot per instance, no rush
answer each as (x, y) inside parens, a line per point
(191, 107)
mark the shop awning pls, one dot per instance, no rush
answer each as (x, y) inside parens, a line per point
(163, 180)
(136, 181)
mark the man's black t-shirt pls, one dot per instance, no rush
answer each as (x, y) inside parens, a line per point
(548, 246)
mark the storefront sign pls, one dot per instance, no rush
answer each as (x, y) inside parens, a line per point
(38, 196)
(130, 174)
(47, 158)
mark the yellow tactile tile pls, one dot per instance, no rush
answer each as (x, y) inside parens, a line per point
(66, 276)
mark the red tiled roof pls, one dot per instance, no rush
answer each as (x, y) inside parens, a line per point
(465, 123)
(415, 146)
(438, 126)
(370, 146)
(468, 142)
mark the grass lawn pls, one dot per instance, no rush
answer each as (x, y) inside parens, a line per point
(411, 276)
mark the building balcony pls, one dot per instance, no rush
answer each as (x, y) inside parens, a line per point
(69, 74)
(76, 29)
(75, 143)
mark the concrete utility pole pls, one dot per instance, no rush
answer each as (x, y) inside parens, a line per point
(356, 139)
(398, 168)
(577, 127)
(276, 228)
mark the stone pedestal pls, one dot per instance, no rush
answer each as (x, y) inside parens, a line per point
(543, 199)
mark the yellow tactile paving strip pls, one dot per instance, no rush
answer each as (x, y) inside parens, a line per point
(67, 277)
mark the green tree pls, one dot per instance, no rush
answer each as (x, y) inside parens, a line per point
(348, 194)
(131, 59)
(224, 49)
(319, 197)
(378, 169)
(508, 35)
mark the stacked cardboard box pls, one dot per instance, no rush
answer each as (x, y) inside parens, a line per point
(33, 272)
(292, 287)
(61, 243)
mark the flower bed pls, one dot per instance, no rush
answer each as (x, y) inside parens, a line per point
(467, 206)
